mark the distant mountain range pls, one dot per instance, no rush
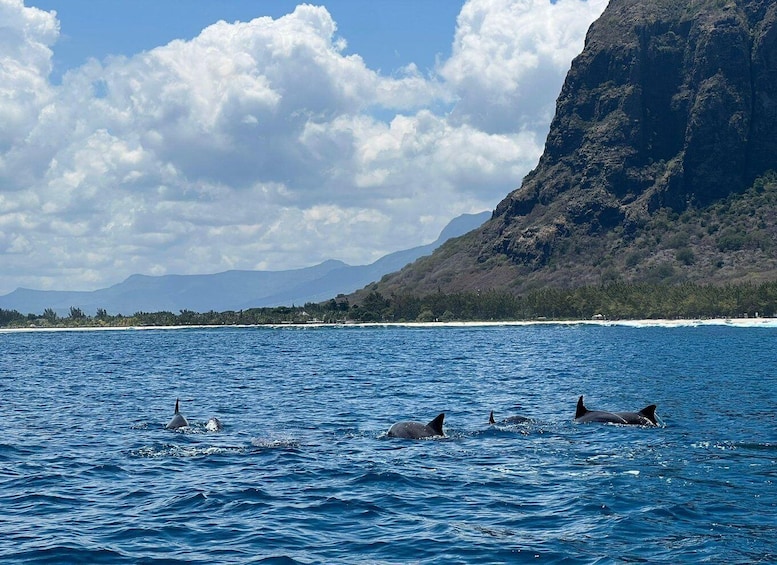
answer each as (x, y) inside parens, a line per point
(231, 290)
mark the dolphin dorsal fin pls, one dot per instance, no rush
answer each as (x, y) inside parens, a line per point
(176, 406)
(649, 412)
(436, 424)
(581, 409)
(491, 418)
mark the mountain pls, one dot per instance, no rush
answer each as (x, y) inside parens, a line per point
(658, 166)
(230, 290)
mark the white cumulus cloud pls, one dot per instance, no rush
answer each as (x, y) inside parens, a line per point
(262, 144)
(26, 36)
(510, 58)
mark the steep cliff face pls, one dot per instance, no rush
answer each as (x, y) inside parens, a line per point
(671, 106)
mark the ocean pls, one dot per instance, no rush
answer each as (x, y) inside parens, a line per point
(302, 471)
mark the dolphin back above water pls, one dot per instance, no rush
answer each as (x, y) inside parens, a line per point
(178, 420)
(214, 425)
(645, 417)
(508, 420)
(417, 430)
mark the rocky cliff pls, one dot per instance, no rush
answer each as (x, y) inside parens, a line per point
(664, 122)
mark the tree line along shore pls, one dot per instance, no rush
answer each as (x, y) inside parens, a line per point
(616, 301)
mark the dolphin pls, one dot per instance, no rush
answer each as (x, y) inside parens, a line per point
(178, 420)
(645, 417)
(417, 430)
(508, 420)
(214, 425)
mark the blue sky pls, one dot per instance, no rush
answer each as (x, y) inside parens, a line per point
(195, 136)
(388, 34)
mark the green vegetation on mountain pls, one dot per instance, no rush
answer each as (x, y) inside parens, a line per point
(611, 301)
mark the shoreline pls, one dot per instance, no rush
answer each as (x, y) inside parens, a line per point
(641, 323)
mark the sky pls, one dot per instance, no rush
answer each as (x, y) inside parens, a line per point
(195, 137)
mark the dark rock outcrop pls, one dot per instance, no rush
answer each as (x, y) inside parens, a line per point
(671, 106)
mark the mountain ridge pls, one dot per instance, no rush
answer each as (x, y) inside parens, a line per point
(230, 290)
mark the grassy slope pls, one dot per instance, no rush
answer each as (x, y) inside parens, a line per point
(729, 241)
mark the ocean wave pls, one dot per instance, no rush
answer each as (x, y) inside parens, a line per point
(185, 451)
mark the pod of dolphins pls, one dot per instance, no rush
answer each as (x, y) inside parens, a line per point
(418, 430)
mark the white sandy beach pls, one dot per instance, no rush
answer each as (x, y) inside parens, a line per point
(661, 323)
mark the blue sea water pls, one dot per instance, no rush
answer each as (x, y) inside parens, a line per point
(303, 472)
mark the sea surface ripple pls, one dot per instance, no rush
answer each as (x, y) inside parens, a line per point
(302, 471)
